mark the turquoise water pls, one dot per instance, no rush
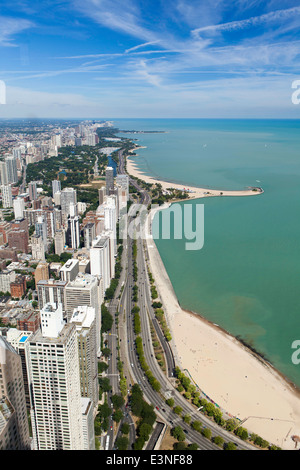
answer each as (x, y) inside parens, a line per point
(247, 276)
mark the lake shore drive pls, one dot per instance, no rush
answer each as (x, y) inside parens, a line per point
(242, 383)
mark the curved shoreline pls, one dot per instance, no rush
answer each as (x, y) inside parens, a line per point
(193, 191)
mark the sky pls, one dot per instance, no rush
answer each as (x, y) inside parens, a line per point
(149, 59)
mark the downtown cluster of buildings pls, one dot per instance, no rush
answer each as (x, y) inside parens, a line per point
(49, 354)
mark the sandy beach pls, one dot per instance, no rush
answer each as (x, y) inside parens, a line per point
(230, 374)
(194, 192)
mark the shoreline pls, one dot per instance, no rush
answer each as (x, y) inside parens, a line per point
(194, 192)
(233, 375)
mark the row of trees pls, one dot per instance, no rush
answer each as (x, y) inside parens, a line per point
(190, 392)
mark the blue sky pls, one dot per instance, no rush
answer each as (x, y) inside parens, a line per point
(171, 58)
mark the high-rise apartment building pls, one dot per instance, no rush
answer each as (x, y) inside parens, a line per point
(11, 167)
(19, 341)
(84, 319)
(109, 179)
(19, 207)
(51, 291)
(73, 232)
(89, 233)
(41, 272)
(54, 381)
(59, 241)
(41, 229)
(16, 435)
(85, 289)
(6, 192)
(69, 270)
(110, 218)
(37, 248)
(100, 255)
(32, 189)
(3, 173)
(68, 196)
(56, 187)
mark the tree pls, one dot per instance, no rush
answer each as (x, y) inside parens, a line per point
(122, 443)
(177, 409)
(179, 446)
(230, 446)
(242, 433)
(118, 401)
(178, 433)
(197, 425)
(144, 431)
(117, 416)
(231, 424)
(218, 440)
(125, 428)
(193, 446)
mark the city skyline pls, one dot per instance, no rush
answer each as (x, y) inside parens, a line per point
(139, 59)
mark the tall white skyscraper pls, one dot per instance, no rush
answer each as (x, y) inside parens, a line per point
(67, 197)
(56, 187)
(19, 207)
(54, 382)
(85, 289)
(110, 218)
(6, 192)
(101, 260)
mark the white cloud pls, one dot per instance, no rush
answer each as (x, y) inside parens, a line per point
(9, 27)
(272, 16)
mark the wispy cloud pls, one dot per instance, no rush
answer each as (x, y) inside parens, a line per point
(10, 27)
(272, 16)
(139, 46)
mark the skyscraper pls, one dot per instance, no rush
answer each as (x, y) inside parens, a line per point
(12, 391)
(41, 230)
(110, 218)
(52, 291)
(19, 207)
(100, 260)
(85, 321)
(3, 173)
(67, 196)
(11, 167)
(73, 232)
(32, 189)
(89, 232)
(6, 192)
(85, 289)
(59, 241)
(109, 179)
(54, 380)
(56, 187)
